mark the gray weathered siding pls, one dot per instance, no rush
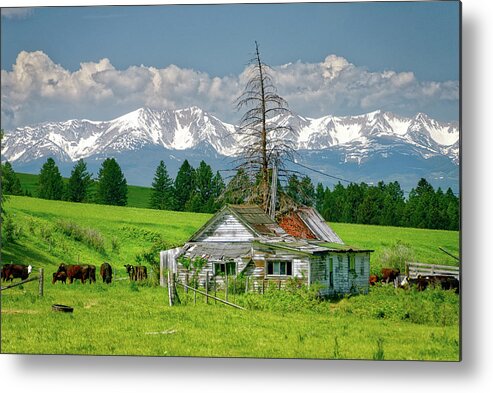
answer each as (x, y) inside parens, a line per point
(344, 281)
(226, 229)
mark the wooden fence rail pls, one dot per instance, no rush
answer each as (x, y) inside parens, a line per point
(209, 296)
(413, 269)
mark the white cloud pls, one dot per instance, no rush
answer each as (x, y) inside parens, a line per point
(37, 89)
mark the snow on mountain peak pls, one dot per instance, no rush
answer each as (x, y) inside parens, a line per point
(187, 128)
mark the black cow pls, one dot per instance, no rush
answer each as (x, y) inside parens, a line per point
(106, 272)
(136, 273)
(441, 281)
(12, 270)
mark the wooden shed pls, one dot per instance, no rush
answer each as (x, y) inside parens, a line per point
(243, 240)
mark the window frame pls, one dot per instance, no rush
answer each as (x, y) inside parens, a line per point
(288, 268)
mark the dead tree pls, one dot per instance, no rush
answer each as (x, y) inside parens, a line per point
(263, 136)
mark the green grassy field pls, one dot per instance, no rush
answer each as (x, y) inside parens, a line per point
(137, 196)
(128, 319)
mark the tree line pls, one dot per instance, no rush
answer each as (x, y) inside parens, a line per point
(200, 190)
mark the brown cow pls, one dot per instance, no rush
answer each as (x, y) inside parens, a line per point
(75, 272)
(59, 276)
(91, 274)
(12, 270)
(106, 272)
(373, 279)
(389, 274)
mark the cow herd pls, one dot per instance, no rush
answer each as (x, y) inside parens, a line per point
(72, 273)
(392, 275)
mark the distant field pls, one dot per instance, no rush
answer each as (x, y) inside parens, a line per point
(137, 196)
(128, 319)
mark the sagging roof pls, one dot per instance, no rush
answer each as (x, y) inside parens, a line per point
(313, 247)
(307, 223)
(218, 251)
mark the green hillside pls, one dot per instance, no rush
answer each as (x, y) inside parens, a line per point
(126, 318)
(137, 196)
(128, 231)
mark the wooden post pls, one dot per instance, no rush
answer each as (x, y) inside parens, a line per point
(246, 284)
(215, 290)
(170, 289)
(263, 286)
(234, 289)
(207, 287)
(41, 281)
(227, 286)
(186, 282)
(279, 285)
(194, 297)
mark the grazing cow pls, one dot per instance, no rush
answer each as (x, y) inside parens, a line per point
(373, 279)
(130, 271)
(136, 272)
(106, 272)
(75, 272)
(389, 274)
(422, 282)
(12, 270)
(91, 273)
(59, 276)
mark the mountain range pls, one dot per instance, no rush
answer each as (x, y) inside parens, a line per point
(368, 147)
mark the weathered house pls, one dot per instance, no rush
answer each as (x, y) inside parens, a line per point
(243, 240)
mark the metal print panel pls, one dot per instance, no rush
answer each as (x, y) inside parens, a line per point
(234, 180)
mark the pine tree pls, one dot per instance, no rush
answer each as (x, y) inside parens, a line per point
(112, 185)
(184, 185)
(163, 191)
(218, 187)
(238, 189)
(50, 182)
(78, 183)
(10, 182)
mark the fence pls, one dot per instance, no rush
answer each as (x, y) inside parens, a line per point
(414, 269)
(173, 294)
(39, 278)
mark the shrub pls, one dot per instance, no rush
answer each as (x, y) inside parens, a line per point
(88, 236)
(397, 255)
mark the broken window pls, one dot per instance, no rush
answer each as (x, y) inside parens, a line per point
(223, 268)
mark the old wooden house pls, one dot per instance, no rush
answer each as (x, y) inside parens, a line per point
(243, 240)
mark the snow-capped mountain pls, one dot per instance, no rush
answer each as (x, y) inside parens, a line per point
(149, 135)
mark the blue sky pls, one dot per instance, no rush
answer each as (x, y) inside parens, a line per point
(412, 48)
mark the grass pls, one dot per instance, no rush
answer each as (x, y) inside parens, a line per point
(119, 320)
(423, 243)
(125, 319)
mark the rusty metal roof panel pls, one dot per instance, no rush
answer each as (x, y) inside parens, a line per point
(317, 225)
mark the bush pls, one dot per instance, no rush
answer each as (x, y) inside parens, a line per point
(88, 236)
(397, 255)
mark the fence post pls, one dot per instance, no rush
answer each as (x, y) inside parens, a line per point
(215, 290)
(170, 289)
(227, 286)
(186, 282)
(41, 281)
(207, 287)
